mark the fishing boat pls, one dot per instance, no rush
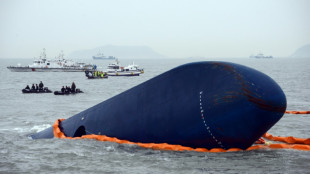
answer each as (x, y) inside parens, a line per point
(114, 69)
(206, 104)
(59, 64)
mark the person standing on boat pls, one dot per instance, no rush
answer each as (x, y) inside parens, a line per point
(63, 89)
(73, 87)
(41, 85)
(33, 87)
(68, 89)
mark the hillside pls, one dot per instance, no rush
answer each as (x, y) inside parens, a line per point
(302, 52)
(136, 52)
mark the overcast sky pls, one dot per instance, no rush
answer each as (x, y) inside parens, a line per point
(174, 28)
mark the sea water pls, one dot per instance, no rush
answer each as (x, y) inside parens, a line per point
(24, 114)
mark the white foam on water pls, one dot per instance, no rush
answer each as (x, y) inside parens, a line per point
(20, 130)
(39, 128)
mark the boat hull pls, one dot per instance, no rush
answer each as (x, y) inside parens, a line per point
(98, 77)
(30, 91)
(29, 69)
(203, 104)
(103, 58)
(124, 73)
(68, 93)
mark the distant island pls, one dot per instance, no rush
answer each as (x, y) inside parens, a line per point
(136, 52)
(302, 52)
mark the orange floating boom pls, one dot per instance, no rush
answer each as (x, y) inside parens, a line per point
(164, 146)
(297, 112)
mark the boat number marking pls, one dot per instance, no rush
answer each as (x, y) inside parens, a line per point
(205, 123)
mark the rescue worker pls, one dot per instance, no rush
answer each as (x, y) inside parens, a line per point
(73, 87)
(63, 89)
(41, 85)
(67, 89)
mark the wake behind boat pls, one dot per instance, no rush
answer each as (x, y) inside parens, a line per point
(60, 64)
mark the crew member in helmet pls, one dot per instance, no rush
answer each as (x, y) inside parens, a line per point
(63, 89)
(41, 85)
(73, 87)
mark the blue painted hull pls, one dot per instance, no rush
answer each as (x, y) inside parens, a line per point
(203, 104)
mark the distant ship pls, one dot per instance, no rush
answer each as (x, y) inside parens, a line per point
(100, 56)
(60, 64)
(260, 55)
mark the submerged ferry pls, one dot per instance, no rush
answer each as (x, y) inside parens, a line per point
(200, 105)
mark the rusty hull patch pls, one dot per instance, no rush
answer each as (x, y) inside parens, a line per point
(251, 96)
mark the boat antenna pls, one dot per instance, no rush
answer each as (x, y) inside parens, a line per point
(43, 54)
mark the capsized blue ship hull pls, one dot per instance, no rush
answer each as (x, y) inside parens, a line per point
(203, 104)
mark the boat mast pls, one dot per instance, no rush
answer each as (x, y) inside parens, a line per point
(43, 55)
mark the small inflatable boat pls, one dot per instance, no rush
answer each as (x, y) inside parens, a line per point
(68, 92)
(44, 90)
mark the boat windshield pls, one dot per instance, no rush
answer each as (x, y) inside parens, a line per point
(113, 67)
